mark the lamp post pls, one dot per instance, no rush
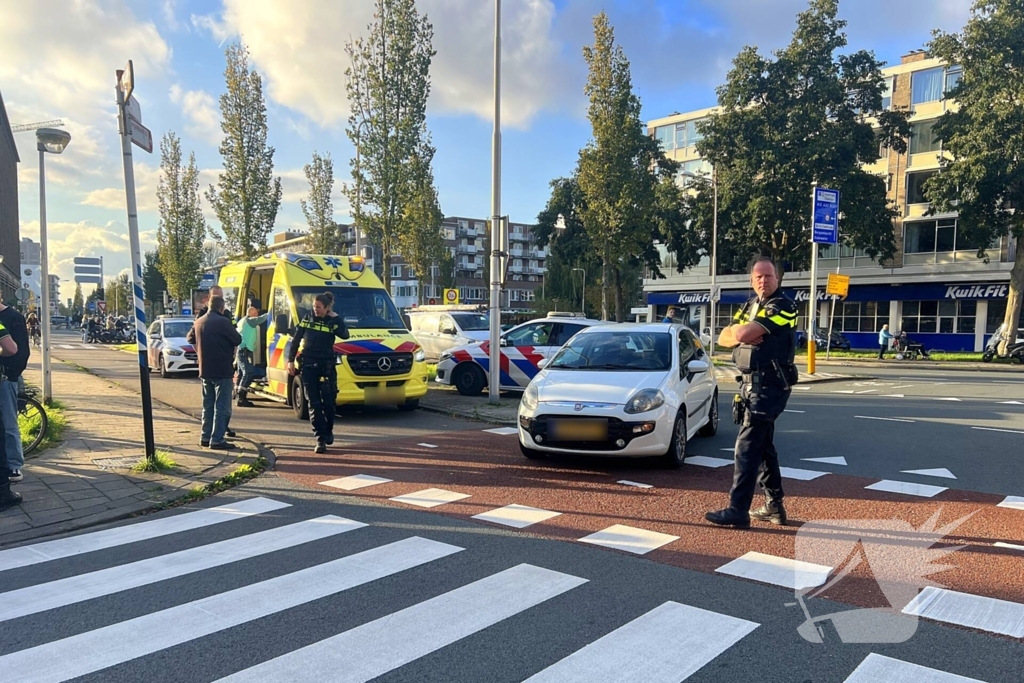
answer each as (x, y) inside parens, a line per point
(359, 184)
(713, 180)
(583, 295)
(497, 243)
(53, 141)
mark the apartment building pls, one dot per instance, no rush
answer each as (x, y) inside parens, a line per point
(936, 288)
(10, 227)
(468, 240)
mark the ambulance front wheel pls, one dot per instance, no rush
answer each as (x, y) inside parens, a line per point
(469, 379)
(299, 404)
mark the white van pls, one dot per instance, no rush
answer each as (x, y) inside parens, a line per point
(439, 328)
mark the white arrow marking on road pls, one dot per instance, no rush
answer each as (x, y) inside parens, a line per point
(1012, 502)
(973, 611)
(707, 462)
(1011, 403)
(799, 412)
(892, 396)
(778, 571)
(518, 516)
(845, 391)
(802, 475)
(869, 391)
(1011, 546)
(948, 399)
(838, 460)
(993, 429)
(878, 668)
(629, 538)
(627, 482)
(907, 488)
(503, 431)
(883, 419)
(936, 472)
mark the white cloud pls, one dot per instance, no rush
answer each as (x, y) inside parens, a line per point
(168, 12)
(207, 22)
(300, 47)
(146, 179)
(202, 113)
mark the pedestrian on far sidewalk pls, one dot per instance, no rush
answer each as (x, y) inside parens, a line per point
(8, 498)
(217, 290)
(884, 335)
(249, 329)
(215, 339)
(12, 367)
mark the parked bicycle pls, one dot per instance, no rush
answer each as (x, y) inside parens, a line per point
(32, 412)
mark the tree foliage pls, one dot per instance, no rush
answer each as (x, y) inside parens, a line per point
(182, 226)
(153, 281)
(618, 170)
(422, 242)
(78, 301)
(247, 196)
(561, 230)
(785, 123)
(319, 209)
(983, 176)
(388, 85)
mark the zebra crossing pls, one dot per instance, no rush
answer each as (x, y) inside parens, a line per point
(669, 643)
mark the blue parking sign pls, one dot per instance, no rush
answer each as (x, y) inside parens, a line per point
(826, 216)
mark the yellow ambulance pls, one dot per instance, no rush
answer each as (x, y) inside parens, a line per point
(380, 363)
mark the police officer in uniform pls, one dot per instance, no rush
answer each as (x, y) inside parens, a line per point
(763, 339)
(316, 333)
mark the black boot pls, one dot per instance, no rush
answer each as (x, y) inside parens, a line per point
(729, 517)
(243, 401)
(772, 511)
(321, 447)
(8, 498)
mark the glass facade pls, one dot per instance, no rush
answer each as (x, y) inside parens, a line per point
(927, 85)
(861, 316)
(922, 138)
(915, 186)
(944, 317)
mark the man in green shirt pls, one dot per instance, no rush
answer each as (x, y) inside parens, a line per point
(249, 328)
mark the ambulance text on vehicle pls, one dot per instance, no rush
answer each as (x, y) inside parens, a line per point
(380, 362)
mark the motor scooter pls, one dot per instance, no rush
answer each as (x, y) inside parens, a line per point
(1014, 350)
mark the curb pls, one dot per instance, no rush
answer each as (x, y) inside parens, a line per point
(473, 417)
(928, 365)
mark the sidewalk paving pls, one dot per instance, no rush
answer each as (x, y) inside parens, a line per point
(890, 362)
(86, 479)
(447, 400)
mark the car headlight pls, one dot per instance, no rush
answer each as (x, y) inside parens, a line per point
(645, 400)
(171, 351)
(445, 355)
(530, 397)
(419, 356)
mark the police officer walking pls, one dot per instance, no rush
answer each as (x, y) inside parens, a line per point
(763, 339)
(316, 333)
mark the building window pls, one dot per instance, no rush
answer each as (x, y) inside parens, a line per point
(666, 136)
(396, 272)
(725, 314)
(687, 134)
(926, 86)
(697, 167)
(922, 137)
(915, 186)
(863, 316)
(926, 237)
(953, 76)
(943, 317)
(887, 93)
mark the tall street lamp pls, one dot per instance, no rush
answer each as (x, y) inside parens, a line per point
(714, 247)
(583, 295)
(53, 141)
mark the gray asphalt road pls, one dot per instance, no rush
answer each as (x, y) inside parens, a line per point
(457, 605)
(270, 423)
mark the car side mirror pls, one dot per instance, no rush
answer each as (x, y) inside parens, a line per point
(697, 366)
(543, 363)
(503, 341)
(282, 324)
(448, 330)
(155, 336)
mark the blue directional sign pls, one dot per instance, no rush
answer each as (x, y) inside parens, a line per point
(826, 216)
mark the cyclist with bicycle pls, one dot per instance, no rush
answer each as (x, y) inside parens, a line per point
(34, 330)
(13, 358)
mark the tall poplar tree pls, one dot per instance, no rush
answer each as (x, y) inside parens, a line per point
(422, 242)
(388, 87)
(319, 209)
(247, 196)
(78, 302)
(983, 177)
(182, 226)
(618, 170)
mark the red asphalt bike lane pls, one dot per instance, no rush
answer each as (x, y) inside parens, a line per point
(489, 468)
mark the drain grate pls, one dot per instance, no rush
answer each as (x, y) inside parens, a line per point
(122, 463)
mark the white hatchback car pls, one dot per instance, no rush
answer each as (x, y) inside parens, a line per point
(633, 390)
(169, 351)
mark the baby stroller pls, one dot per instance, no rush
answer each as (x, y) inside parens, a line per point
(908, 349)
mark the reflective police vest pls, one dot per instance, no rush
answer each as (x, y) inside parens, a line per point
(778, 317)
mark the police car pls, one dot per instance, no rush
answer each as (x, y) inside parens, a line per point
(169, 351)
(631, 390)
(522, 348)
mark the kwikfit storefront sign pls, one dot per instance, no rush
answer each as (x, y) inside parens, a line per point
(907, 292)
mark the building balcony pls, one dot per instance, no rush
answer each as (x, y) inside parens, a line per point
(468, 232)
(516, 252)
(469, 266)
(467, 249)
(515, 269)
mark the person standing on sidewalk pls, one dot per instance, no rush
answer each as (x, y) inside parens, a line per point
(215, 339)
(317, 365)
(884, 335)
(8, 498)
(249, 329)
(12, 368)
(217, 290)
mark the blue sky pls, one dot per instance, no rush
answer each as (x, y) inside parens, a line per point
(57, 60)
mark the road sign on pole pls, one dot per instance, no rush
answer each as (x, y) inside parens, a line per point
(451, 296)
(826, 216)
(838, 285)
(125, 86)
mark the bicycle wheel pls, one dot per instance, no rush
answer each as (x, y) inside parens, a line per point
(33, 422)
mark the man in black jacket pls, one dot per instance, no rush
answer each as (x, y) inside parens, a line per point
(217, 290)
(215, 340)
(12, 367)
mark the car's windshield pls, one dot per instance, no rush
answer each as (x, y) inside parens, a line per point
(178, 328)
(361, 307)
(616, 351)
(471, 322)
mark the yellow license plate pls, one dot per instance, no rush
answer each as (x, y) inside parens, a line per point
(386, 396)
(578, 430)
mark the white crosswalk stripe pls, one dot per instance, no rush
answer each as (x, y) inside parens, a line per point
(669, 642)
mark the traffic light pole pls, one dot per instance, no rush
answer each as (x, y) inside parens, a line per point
(140, 310)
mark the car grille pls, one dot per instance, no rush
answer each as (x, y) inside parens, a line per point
(617, 429)
(192, 357)
(368, 364)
